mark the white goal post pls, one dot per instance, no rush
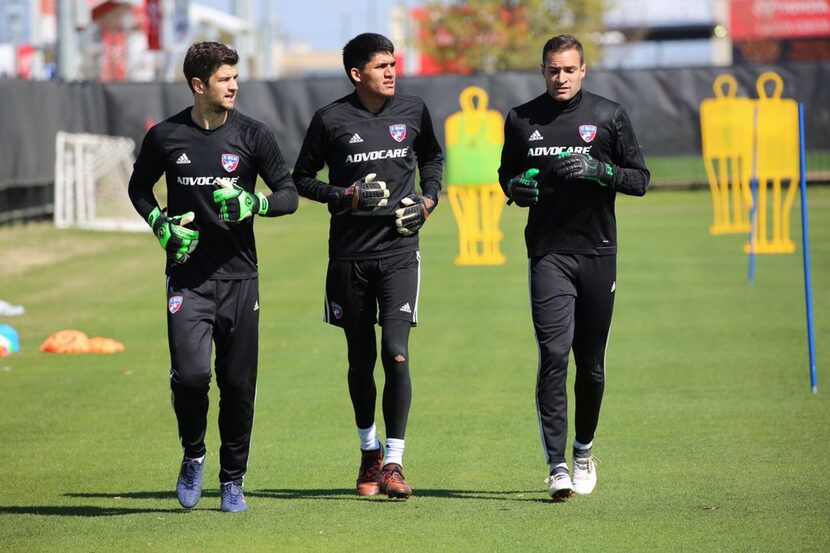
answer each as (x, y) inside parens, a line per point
(91, 176)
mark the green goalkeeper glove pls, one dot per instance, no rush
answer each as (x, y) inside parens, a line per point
(572, 166)
(524, 189)
(237, 204)
(177, 240)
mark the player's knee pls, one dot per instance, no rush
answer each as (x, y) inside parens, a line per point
(362, 360)
(190, 383)
(361, 368)
(556, 360)
(237, 392)
(395, 352)
(593, 373)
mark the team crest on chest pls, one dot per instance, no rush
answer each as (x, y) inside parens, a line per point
(398, 132)
(587, 132)
(230, 162)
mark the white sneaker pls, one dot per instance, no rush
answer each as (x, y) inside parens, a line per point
(585, 475)
(560, 486)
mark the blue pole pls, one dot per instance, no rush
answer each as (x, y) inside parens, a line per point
(753, 189)
(805, 246)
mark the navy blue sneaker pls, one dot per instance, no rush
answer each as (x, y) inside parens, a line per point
(189, 486)
(233, 500)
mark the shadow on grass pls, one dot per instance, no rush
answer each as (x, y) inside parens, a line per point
(331, 494)
(81, 511)
(340, 494)
(163, 494)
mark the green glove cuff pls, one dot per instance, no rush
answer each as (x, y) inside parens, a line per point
(263, 204)
(607, 175)
(157, 220)
(153, 217)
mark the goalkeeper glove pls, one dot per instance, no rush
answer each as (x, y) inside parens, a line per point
(523, 189)
(571, 166)
(366, 194)
(411, 217)
(237, 204)
(177, 240)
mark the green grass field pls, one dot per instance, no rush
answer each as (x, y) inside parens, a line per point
(709, 440)
(690, 171)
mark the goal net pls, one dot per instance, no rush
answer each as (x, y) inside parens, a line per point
(91, 176)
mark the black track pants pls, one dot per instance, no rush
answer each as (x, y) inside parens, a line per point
(572, 299)
(225, 312)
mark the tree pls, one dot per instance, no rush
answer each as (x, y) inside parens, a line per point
(493, 35)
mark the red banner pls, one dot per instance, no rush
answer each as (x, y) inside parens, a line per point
(47, 7)
(754, 19)
(25, 59)
(153, 24)
(114, 62)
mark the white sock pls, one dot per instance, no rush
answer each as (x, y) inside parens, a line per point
(578, 445)
(200, 459)
(368, 438)
(394, 451)
(557, 466)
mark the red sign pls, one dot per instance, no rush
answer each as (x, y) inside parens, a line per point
(153, 25)
(114, 62)
(754, 19)
(47, 7)
(25, 59)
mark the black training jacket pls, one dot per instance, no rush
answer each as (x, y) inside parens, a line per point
(354, 142)
(574, 217)
(193, 160)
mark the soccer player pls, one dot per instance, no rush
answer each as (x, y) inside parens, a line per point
(371, 141)
(211, 155)
(566, 154)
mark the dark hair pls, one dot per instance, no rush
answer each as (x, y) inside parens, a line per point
(562, 43)
(203, 58)
(360, 50)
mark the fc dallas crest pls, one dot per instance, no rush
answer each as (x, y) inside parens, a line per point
(229, 162)
(587, 132)
(174, 303)
(398, 132)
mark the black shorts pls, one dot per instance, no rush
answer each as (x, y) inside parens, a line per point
(357, 289)
(223, 311)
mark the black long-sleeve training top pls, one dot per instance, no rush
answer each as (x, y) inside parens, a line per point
(354, 142)
(193, 161)
(577, 216)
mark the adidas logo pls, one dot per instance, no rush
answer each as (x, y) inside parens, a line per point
(183, 160)
(535, 136)
(613, 286)
(355, 139)
(256, 305)
(406, 308)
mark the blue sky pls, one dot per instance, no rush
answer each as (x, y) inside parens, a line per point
(329, 24)
(323, 24)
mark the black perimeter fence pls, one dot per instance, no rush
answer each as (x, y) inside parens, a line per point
(663, 105)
